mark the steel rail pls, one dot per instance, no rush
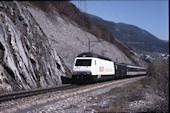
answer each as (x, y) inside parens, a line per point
(27, 93)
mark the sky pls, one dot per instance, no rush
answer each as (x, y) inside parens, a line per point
(149, 15)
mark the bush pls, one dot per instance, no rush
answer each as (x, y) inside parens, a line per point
(159, 81)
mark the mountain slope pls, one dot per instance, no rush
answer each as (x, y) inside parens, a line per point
(134, 37)
(71, 12)
(70, 40)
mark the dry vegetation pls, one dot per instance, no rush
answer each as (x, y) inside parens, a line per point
(159, 81)
(72, 12)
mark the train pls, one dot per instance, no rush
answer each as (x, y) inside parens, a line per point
(91, 67)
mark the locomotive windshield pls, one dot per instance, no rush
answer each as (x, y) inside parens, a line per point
(83, 62)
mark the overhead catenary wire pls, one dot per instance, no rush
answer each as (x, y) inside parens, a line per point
(113, 15)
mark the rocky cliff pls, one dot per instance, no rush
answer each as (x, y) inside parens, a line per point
(27, 59)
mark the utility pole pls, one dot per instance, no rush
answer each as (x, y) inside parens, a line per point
(89, 43)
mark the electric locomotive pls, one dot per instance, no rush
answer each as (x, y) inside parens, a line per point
(93, 67)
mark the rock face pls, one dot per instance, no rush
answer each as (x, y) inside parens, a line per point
(27, 59)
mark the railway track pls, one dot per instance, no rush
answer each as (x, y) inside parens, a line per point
(22, 94)
(27, 93)
(61, 92)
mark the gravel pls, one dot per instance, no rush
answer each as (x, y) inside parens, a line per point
(123, 96)
(48, 97)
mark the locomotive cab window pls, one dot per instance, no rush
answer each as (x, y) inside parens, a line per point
(83, 62)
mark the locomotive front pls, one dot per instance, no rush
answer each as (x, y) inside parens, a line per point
(83, 69)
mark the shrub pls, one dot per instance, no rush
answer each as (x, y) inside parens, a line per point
(159, 81)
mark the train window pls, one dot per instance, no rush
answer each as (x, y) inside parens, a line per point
(136, 69)
(132, 69)
(83, 62)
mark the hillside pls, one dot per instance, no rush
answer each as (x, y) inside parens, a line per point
(138, 39)
(70, 40)
(73, 14)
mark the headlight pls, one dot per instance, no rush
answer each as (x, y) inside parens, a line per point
(88, 73)
(74, 72)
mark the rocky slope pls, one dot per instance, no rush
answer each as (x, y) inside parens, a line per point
(69, 39)
(27, 59)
